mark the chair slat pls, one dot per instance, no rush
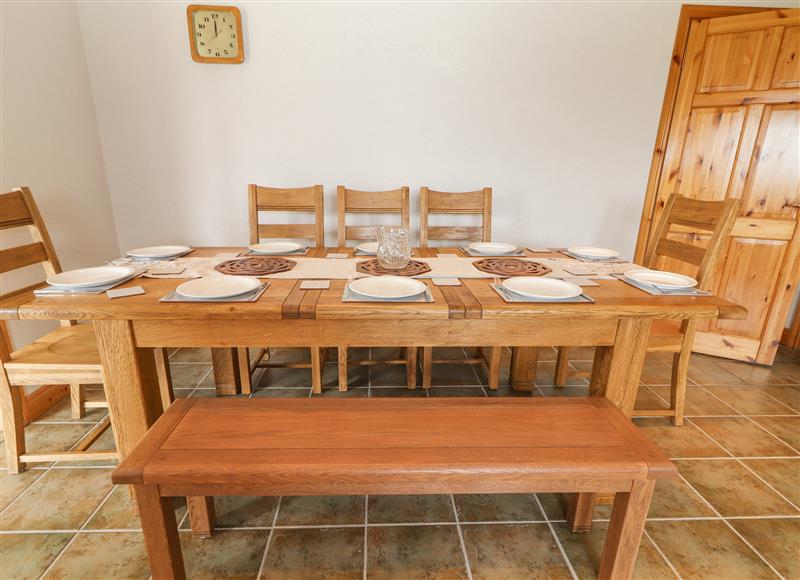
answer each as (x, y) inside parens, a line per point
(361, 232)
(286, 231)
(275, 199)
(300, 199)
(455, 233)
(445, 202)
(682, 252)
(374, 202)
(698, 214)
(14, 211)
(442, 202)
(21, 256)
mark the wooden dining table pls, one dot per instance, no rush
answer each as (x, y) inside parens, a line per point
(129, 329)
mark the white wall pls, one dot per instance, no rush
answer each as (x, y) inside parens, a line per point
(50, 139)
(554, 106)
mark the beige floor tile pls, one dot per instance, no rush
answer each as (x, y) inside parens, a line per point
(555, 506)
(62, 411)
(786, 428)
(499, 507)
(62, 499)
(782, 474)
(27, 556)
(751, 400)
(779, 373)
(292, 393)
(188, 376)
(242, 512)
(545, 372)
(194, 355)
(684, 441)
(707, 549)
(313, 553)
(513, 551)
(788, 395)
(329, 510)
(404, 552)
(405, 509)
(103, 554)
(13, 484)
(705, 370)
(584, 551)
(742, 437)
(227, 554)
(656, 372)
(733, 490)
(698, 401)
(675, 499)
(777, 540)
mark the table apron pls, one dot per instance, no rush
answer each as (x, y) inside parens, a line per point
(358, 333)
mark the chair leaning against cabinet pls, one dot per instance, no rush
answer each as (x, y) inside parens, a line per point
(273, 199)
(66, 356)
(351, 201)
(465, 203)
(690, 216)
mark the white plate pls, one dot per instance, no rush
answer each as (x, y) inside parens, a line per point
(370, 248)
(153, 252)
(387, 287)
(217, 287)
(88, 277)
(547, 288)
(492, 248)
(276, 248)
(661, 279)
(593, 253)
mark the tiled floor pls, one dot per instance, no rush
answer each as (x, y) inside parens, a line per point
(733, 514)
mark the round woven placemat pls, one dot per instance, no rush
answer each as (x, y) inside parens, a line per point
(413, 268)
(257, 266)
(511, 267)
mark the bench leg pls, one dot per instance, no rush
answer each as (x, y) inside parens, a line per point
(580, 509)
(160, 533)
(201, 515)
(625, 530)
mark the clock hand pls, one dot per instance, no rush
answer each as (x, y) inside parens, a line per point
(215, 29)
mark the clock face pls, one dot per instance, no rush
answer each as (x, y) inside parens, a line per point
(216, 34)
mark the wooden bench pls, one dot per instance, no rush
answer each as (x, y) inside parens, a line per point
(209, 447)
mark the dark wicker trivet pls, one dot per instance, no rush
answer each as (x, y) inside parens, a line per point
(257, 266)
(511, 267)
(413, 268)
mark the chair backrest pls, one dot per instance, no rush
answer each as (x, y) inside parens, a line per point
(18, 210)
(690, 216)
(300, 199)
(374, 202)
(469, 202)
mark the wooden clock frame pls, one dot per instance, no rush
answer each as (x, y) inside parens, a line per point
(196, 56)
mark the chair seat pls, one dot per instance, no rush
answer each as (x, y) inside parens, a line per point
(66, 355)
(665, 335)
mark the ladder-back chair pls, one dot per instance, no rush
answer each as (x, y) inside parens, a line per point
(681, 215)
(351, 201)
(458, 203)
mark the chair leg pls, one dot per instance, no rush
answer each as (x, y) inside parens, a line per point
(494, 367)
(77, 398)
(164, 377)
(245, 378)
(680, 370)
(13, 423)
(562, 366)
(427, 362)
(342, 350)
(411, 366)
(316, 370)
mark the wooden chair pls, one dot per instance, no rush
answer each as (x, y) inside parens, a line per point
(351, 201)
(273, 199)
(666, 252)
(467, 203)
(66, 356)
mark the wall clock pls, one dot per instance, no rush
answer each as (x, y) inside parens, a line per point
(215, 34)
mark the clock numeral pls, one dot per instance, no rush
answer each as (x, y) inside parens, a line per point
(226, 52)
(205, 19)
(201, 26)
(233, 35)
(230, 44)
(216, 54)
(199, 34)
(215, 16)
(224, 20)
(202, 44)
(209, 51)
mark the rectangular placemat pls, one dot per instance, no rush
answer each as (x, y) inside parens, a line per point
(654, 291)
(249, 297)
(349, 296)
(511, 297)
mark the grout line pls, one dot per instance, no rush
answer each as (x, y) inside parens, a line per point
(461, 538)
(366, 523)
(269, 539)
(555, 537)
(661, 553)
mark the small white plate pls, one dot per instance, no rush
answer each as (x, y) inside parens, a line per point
(88, 277)
(492, 248)
(387, 287)
(370, 248)
(217, 287)
(154, 252)
(661, 279)
(593, 253)
(276, 248)
(542, 288)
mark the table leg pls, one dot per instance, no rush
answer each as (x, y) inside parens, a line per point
(580, 509)
(523, 367)
(625, 530)
(201, 515)
(164, 377)
(226, 370)
(618, 368)
(160, 533)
